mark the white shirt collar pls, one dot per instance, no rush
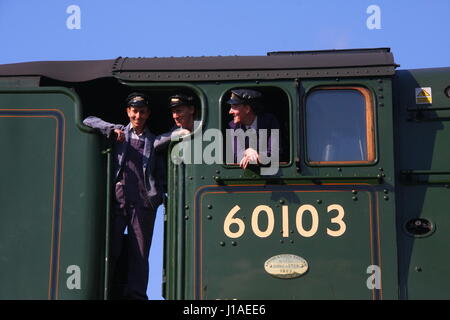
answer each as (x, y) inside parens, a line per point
(134, 135)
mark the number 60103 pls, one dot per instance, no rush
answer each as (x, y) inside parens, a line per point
(238, 225)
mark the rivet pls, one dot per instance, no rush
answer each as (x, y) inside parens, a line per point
(281, 201)
(209, 206)
(386, 198)
(354, 198)
(354, 191)
(222, 243)
(319, 201)
(209, 217)
(233, 243)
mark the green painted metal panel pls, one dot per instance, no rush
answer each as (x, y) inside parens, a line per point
(52, 198)
(338, 236)
(27, 198)
(423, 171)
(214, 267)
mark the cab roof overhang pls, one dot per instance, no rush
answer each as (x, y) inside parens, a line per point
(276, 65)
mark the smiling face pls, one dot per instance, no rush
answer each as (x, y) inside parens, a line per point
(242, 113)
(183, 116)
(138, 116)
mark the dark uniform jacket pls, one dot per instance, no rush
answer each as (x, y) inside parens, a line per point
(151, 164)
(265, 121)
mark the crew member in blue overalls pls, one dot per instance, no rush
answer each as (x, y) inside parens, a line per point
(138, 191)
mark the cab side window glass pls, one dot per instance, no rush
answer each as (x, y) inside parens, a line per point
(339, 126)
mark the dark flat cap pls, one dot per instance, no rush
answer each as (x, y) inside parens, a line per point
(137, 99)
(180, 100)
(243, 96)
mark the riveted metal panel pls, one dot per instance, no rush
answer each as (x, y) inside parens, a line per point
(238, 228)
(423, 173)
(252, 74)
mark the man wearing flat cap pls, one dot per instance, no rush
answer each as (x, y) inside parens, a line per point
(183, 110)
(245, 108)
(138, 192)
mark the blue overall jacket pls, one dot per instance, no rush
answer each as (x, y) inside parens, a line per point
(152, 165)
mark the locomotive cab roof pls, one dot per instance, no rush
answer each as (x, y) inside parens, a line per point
(275, 65)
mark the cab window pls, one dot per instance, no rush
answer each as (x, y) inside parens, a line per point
(339, 126)
(274, 101)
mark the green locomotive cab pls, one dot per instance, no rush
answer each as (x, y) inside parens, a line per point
(353, 207)
(323, 226)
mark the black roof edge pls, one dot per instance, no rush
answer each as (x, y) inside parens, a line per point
(277, 65)
(331, 51)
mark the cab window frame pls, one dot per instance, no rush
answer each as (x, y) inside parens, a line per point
(371, 153)
(285, 121)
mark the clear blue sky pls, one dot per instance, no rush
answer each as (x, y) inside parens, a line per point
(416, 31)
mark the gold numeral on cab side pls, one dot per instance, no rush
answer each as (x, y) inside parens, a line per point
(238, 226)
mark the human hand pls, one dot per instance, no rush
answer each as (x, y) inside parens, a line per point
(180, 132)
(250, 156)
(120, 135)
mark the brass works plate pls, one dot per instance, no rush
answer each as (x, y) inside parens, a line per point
(286, 266)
